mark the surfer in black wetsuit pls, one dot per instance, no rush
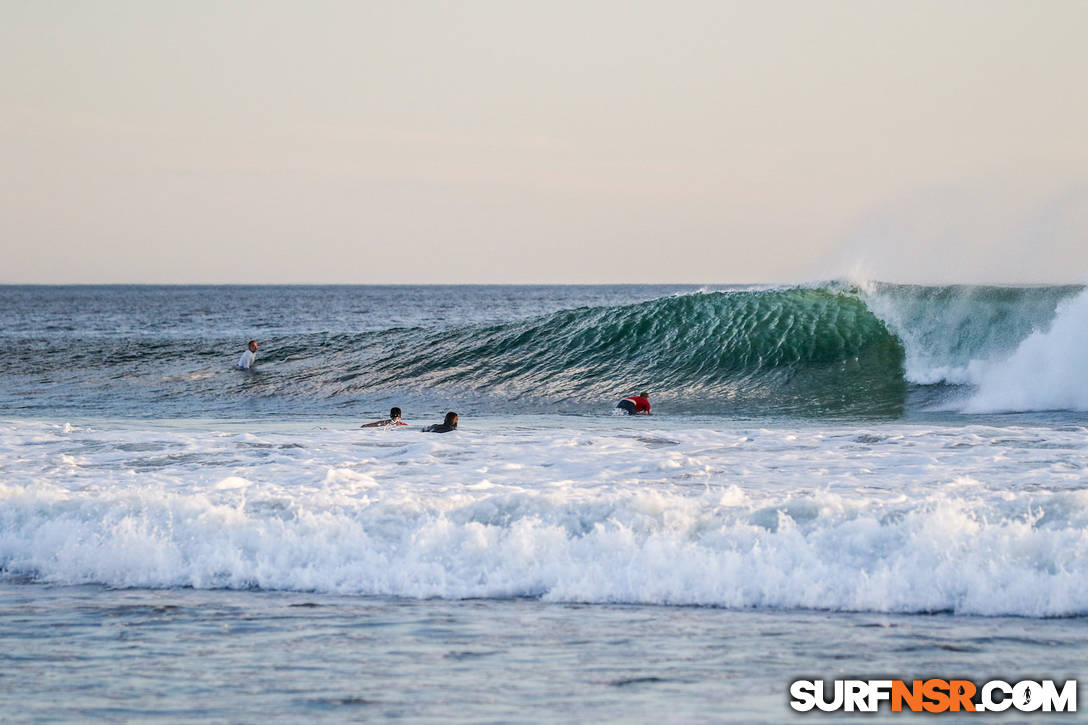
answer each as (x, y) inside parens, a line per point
(394, 419)
(447, 425)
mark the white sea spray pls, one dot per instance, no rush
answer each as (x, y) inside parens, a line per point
(1046, 372)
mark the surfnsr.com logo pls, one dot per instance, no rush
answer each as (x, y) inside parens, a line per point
(933, 695)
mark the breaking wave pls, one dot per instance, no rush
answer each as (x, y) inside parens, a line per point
(831, 349)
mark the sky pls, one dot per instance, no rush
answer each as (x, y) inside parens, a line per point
(566, 141)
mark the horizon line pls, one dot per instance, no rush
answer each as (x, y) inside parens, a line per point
(541, 284)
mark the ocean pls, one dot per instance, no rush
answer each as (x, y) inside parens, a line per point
(839, 480)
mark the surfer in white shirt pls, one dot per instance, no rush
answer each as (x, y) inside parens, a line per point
(246, 361)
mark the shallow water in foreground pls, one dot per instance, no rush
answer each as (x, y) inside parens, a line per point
(86, 653)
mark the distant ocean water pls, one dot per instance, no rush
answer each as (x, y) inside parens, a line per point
(880, 351)
(877, 480)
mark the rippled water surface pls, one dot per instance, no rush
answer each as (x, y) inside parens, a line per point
(76, 654)
(837, 482)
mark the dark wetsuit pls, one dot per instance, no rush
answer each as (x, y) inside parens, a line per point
(439, 428)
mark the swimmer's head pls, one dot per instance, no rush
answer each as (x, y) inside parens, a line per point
(252, 346)
(644, 394)
(450, 420)
(394, 413)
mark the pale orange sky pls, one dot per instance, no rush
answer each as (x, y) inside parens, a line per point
(359, 142)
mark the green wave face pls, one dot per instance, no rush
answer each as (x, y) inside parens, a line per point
(815, 351)
(873, 351)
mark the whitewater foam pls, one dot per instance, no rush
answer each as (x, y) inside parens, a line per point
(890, 518)
(1046, 372)
(953, 335)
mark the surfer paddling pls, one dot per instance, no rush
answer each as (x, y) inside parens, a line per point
(635, 404)
(249, 355)
(393, 419)
(447, 425)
